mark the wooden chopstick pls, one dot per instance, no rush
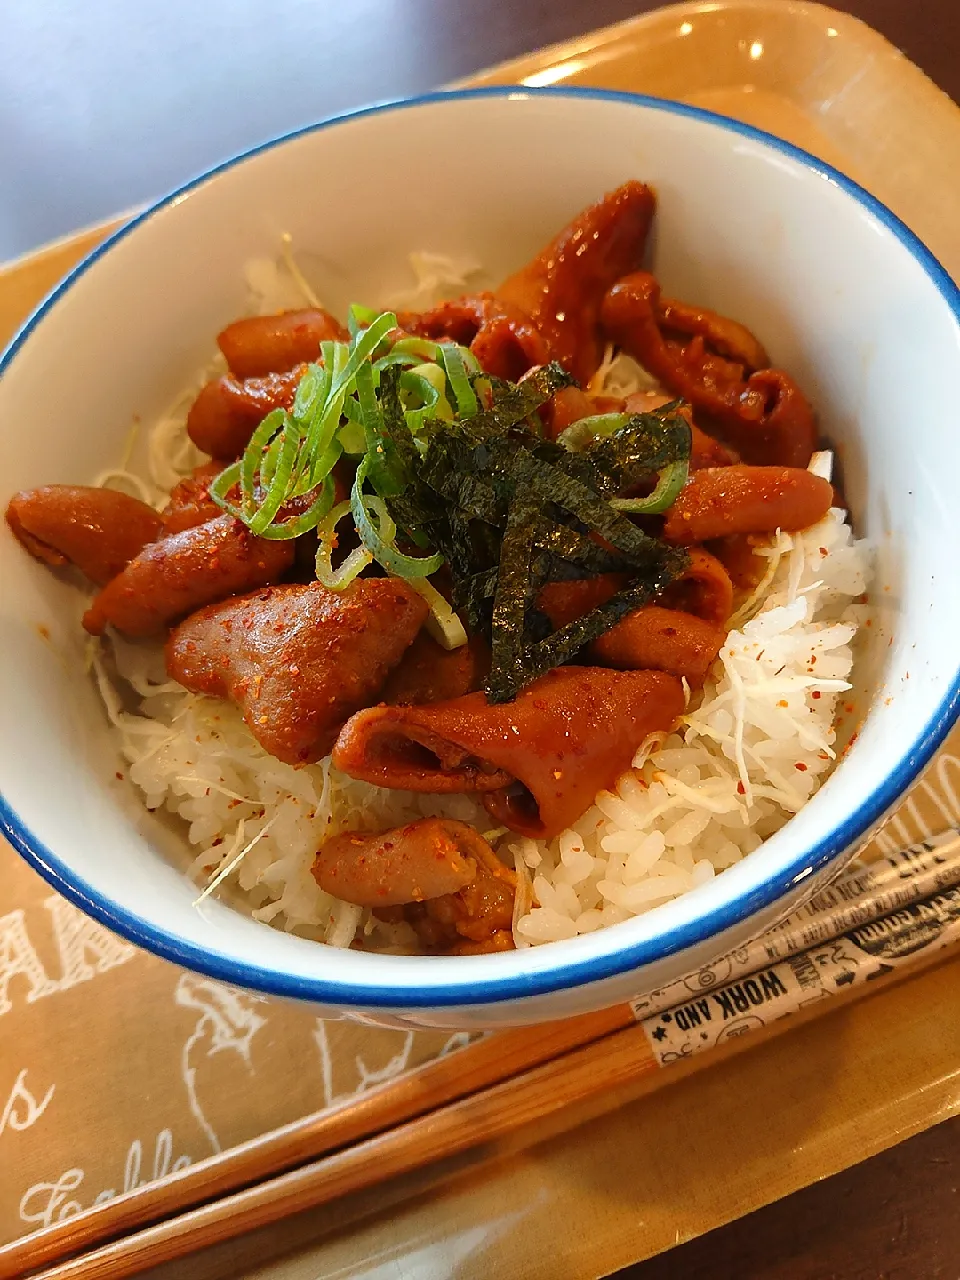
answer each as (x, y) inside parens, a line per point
(621, 1058)
(492, 1059)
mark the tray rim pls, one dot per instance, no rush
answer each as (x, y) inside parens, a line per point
(42, 254)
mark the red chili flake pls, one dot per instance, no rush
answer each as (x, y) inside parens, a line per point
(848, 707)
(801, 766)
(119, 776)
(813, 659)
(741, 789)
(869, 622)
(823, 755)
(823, 551)
(816, 694)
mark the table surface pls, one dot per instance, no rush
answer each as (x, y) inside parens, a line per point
(105, 105)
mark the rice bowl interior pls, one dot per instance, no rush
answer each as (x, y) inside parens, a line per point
(755, 744)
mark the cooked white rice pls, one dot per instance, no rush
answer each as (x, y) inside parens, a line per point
(752, 747)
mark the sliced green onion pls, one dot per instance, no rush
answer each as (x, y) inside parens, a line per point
(253, 456)
(467, 405)
(279, 479)
(380, 542)
(224, 482)
(443, 623)
(308, 519)
(359, 318)
(376, 460)
(406, 359)
(422, 347)
(585, 430)
(672, 479)
(352, 436)
(432, 405)
(357, 560)
(310, 393)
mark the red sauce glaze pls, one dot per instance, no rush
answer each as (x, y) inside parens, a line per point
(563, 288)
(258, 345)
(720, 501)
(172, 577)
(98, 530)
(226, 412)
(539, 760)
(298, 659)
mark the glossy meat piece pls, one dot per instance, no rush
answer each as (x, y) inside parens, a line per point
(429, 673)
(298, 660)
(721, 501)
(564, 408)
(725, 336)
(539, 760)
(227, 411)
(649, 638)
(190, 503)
(761, 412)
(704, 589)
(179, 573)
(476, 920)
(504, 340)
(563, 288)
(98, 530)
(425, 859)
(658, 639)
(258, 345)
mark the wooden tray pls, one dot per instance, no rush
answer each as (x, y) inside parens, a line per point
(593, 1179)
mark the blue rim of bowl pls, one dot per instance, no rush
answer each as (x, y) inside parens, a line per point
(574, 973)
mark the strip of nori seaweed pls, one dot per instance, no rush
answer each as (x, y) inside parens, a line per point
(510, 511)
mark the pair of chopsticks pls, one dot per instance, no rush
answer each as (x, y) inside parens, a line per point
(876, 923)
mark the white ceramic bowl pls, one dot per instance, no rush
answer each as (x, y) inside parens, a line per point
(842, 293)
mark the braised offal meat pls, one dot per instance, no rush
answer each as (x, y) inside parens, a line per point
(720, 501)
(183, 572)
(299, 659)
(424, 859)
(439, 876)
(190, 503)
(563, 288)
(259, 345)
(538, 761)
(718, 366)
(429, 673)
(98, 530)
(225, 413)
(503, 338)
